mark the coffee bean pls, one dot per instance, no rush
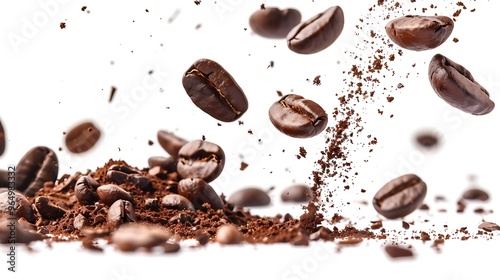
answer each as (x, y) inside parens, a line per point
(47, 209)
(23, 233)
(489, 226)
(80, 222)
(110, 193)
(213, 90)
(400, 196)
(166, 163)
(121, 212)
(131, 237)
(250, 196)
(2, 139)
(170, 142)
(119, 177)
(21, 208)
(37, 166)
(455, 85)
(228, 234)
(82, 137)
(475, 194)
(419, 33)
(317, 33)
(123, 168)
(175, 201)
(274, 23)
(427, 139)
(85, 190)
(201, 159)
(67, 182)
(298, 117)
(199, 193)
(297, 193)
(395, 251)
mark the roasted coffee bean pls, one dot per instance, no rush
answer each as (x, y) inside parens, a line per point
(170, 142)
(82, 137)
(419, 33)
(297, 193)
(489, 226)
(121, 212)
(476, 194)
(201, 159)
(250, 196)
(166, 163)
(455, 85)
(400, 196)
(119, 177)
(124, 169)
(21, 208)
(272, 22)
(85, 190)
(37, 166)
(213, 90)
(395, 251)
(175, 201)
(2, 139)
(298, 117)
(23, 233)
(110, 193)
(47, 209)
(427, 139)
(67, 182)
(131, 237)
(199, 192)
(317, 33)
(228, 234)
(80, 222)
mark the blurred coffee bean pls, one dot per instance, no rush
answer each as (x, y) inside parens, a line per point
(297, 193)
(199, 192)
(110, 193)
(121, 212)
(15, 204)
(119, 177)
(201, 159)
(37, 166)
(427, 139)
(250, 196)
(175, 201)
(228, 234)
(272, 22)
(80, 222)
(124, 169)
(47, 209)
(130, 237)
(167, 163)
(82, 137)
(23, 234)
(476, 194)
(170, 142)
(85, 190)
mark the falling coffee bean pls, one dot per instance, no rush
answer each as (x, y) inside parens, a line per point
(23, 233)
(175, 201)
(317, 33)
(85, 190)
(427, 139)
(37, 166)
(201, 159)
(297, 193)
(274, 23)
(110, 193)
(475, 194)
(298, 117)
(119, 177)
(455, 85)
(228, 234)
(250, 196)
(419, 33)
(2, 139)
(130, 237)
(167, 163)
(213, 90)
(82, 137)
(400, 196)
(47, 209)
(395, 251)
(120, 212)
(170, 142)
(21, 209)
(199, 193)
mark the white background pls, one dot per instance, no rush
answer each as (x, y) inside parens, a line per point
(52, 78)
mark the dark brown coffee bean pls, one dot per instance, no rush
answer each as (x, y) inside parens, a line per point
(123, 168)
(201, 159)
(489, 226)
(80, 222)
(455, 85)
(395, 251)
(130, 237)
(213, 90)
(317, 33)
(82, 137)
(272, 22)
(475, 194)
(202, 238)
(121, 212)
(23, 233)
(2, 139)
(37, 166)
(297, 193)
(298, 117)
(419, 33)
(170, 142)
(119, 177)
(400, 196)
(228, 234)
(67, 182)
(175, 201)
(85, 190)
(199, 193)
(15, 204)
(47, 209)
(166, 163)
(250, 196)
(427, 139)
(110, 193)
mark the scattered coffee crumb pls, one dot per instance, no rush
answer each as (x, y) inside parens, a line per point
(84, 8)
(455, 40)
(197, 2)
(406, 225)
(241, 123)
(376, 224)
(243, 166)
(250, 132)
(150, 143)
(147, 11)
(262, 6)
(489, 227)
(317, 81)
(198, 26)
(271, 64)
(302, 153)
(62, 25)
(112, 94)
(390, 99)
(280, 94)
(395, 251)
